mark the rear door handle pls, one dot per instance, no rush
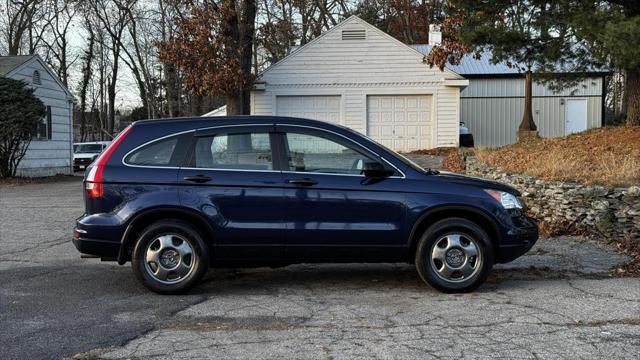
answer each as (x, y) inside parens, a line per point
(302, 182)
(197, 178)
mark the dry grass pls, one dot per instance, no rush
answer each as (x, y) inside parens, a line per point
(607, 156)
(559, 228)
(454, 162)
(453, 157)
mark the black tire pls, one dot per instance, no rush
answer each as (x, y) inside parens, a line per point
(471, 236)
(174, 233)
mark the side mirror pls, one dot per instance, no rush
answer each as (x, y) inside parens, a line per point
(372, 169)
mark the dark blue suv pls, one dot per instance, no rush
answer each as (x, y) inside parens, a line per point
(177, 196)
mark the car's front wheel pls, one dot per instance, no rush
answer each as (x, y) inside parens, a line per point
(170, 257)
(454, 255)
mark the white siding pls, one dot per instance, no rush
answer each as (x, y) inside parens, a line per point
(448, 115)
(356, 69)
(331, 60)
(48, 157)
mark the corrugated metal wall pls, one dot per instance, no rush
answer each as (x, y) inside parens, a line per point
(492, 108)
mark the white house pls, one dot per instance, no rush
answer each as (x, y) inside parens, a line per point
(51, 150)
(358, 76)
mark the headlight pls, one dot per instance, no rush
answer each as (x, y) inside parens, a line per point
(507, 200)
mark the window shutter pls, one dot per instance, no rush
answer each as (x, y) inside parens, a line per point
(49, 127)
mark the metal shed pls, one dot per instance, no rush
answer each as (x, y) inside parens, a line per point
(492, 104)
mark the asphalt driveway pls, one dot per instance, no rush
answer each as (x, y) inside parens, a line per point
(559, 301)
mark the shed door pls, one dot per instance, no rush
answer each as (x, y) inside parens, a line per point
(400, 122)
(325, 108)
(575, 116)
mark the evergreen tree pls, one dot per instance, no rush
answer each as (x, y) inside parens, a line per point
(20, 113)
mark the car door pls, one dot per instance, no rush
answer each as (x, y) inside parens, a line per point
(333, 211)
(230, 177)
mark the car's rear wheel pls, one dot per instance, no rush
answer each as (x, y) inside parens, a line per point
(170, 257)
(454, 255)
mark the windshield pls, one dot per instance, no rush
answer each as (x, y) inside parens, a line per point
(88, 148)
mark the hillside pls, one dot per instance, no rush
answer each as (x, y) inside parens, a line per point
(608, 156)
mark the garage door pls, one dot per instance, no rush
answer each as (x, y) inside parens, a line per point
(326, 108)
(400, 122)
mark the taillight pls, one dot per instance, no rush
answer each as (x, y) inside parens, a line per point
(93, 182)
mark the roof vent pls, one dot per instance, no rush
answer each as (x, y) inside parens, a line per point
(356, 34)
(36, 78)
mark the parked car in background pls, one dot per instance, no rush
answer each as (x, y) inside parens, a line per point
(466, 137)
(85, 153)
(177, 196)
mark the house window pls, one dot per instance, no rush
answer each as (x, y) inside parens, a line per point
(36, 78)
(43, 129)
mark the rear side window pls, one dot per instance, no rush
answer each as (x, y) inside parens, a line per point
(246, 151)
(165, 152)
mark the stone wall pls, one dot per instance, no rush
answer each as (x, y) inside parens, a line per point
(610, 212)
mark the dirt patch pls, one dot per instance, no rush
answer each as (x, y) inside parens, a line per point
(629, 246)
(255, 323)
(608, 156)
(37, 180)
(625, 321)
(441, 151)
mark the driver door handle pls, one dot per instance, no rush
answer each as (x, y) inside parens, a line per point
(302, 182)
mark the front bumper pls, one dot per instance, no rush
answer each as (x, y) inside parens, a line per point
(82, 163)
(519, 239)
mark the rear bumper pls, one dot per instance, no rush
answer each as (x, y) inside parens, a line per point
(100, 248)
(99, 235)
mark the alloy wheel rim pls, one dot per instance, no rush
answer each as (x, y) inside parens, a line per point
(456, 257)
(169, 258)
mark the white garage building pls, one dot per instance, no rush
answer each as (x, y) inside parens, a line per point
(360, 77)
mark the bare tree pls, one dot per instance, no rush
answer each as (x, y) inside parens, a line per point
(63, 14)
(87, 73)
(114, 21)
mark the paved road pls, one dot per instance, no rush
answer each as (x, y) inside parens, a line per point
(557, 302)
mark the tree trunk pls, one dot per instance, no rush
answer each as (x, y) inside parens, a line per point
(633, 97)
(173, 99)
(234, 104)
(527, 123)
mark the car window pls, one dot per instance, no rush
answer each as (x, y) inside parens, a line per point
(311, 153)
(246, 151)
(89, 148)
(155, 154)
